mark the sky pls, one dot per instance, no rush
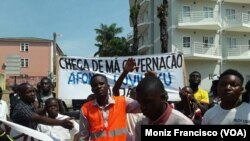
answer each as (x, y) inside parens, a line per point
(74, 21)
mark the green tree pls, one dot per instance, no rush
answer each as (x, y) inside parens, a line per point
(134, 12)
(108, 43)
(161, 14)
(120, 47)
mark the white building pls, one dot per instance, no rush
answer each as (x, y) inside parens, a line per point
(213, 35)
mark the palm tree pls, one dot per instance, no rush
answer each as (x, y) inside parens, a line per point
(161, 14)
(104, 35)
(134, 12)
(120, 47)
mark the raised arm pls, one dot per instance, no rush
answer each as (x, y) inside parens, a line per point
(185, 101)
(129, 67)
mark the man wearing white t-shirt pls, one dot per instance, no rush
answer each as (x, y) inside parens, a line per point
(230, 110)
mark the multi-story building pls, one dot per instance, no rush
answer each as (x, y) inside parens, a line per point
(36, 59)
(213, 35)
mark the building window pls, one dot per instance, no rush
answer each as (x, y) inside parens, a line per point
(208, 41)
(186, 11)
(24, 63)
(230, 14)
(24, 47)
(208, 12)
(231, 42)
(186, 41)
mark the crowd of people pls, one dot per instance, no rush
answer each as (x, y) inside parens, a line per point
(118, 117)
(39, 109)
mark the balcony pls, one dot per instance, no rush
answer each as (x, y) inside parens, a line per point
(144, 46)
(238, 22)
(238, 1)
(143, 24)
(198, 50)
(143, 6)
(239, 52)
(199, 20)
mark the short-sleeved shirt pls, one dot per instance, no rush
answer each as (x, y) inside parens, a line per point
(22, 114)
(201, 96)
(236, 116)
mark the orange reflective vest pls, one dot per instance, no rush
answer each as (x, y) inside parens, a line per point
(116, 130)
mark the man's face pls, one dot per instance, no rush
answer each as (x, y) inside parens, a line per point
(195, 78)
(45, 85)
(188, 91)
(229, 88)
(150, 103)
(100, 87)
(52, 108)
(30, 94)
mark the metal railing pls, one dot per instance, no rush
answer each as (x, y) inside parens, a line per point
(237, 20)
(198, 16)
(238, 50)
(200, 48)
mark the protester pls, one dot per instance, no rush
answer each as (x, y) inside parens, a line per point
(187, 106)
(230, 110)
(24, 111)
(151, 95)
(45, 92)
(58, 132)
(4, 110)
(105, 117)
(200, 96)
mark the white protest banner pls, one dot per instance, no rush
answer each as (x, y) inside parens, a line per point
(74, 73)
(22, 133)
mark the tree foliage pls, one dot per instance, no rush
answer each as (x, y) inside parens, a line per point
(108, 43)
